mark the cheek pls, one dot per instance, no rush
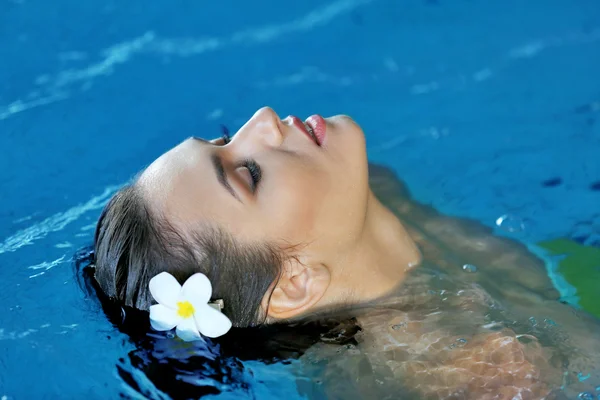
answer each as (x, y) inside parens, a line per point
(297, 206)
(317, 199)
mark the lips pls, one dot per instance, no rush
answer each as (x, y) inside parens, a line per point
(318, 126)
(297, 122)
(314, 127)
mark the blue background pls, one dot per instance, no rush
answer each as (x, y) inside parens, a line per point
(474, 103)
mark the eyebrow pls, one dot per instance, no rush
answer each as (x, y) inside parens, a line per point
(221, 175)
(217, 164)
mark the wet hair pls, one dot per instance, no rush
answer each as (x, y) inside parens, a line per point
(160, 365)
(133, 243)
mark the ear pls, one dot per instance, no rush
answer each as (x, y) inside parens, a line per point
(300, 287)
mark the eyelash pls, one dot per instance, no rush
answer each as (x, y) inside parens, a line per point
(255, 172)
(225, 138)
(251, 165)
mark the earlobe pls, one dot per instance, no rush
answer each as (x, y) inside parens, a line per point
(299, 289)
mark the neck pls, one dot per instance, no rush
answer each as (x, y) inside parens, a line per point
(380, 260)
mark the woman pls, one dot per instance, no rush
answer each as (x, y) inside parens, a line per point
(284, 224)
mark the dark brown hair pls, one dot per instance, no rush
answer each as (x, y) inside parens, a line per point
(133, 243)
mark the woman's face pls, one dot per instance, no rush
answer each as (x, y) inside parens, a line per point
(308, 193)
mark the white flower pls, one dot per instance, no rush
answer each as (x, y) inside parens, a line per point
(186, 307)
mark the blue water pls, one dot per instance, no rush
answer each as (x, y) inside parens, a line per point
(485, 108)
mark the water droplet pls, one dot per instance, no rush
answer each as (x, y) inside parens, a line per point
(171, 335)
(524, 339)
(582, 377)
(469, 268)
(585, 396)
(379, 382)
(350, 346)
(462, 341)
(510, 223)
(399, 326)
(318, 382)
(598, 388)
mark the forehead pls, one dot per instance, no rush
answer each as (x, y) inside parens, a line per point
(180, 184)
(164, 175)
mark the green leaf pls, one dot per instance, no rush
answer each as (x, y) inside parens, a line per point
(581, 268)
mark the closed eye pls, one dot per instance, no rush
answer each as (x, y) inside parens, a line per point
(251, 172)
(249, 169)
(218, 168)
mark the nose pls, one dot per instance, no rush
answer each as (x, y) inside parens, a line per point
(265, 125)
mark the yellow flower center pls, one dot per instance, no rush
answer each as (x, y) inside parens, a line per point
(185, 309)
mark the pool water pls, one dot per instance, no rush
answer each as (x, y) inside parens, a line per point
(486, 109)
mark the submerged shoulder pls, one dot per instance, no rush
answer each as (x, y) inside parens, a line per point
(451, 242)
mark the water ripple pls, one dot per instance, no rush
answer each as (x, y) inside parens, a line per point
(54, 88)
(46, 266)
(55, 222)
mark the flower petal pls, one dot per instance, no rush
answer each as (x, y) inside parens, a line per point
(165, 289)
(197, 289)
(188, 331)
(163, 318)
(210, 322)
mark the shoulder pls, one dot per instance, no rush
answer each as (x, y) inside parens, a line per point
(453, 241)
(385, 183)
